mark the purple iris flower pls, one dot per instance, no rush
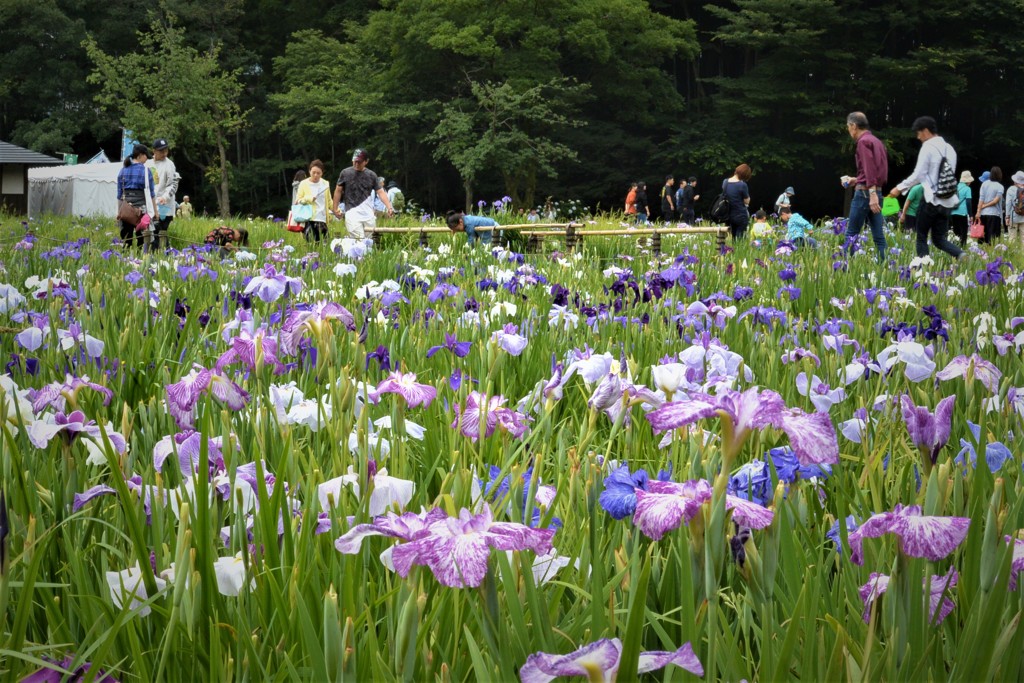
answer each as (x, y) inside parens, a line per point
(271, 285)
(665, 505)
(599, 661)
(935, 587)
(833, 533)
(457, 549)
(792, 291)
(984, 372)
(183, 395)
(188, 445)
(753, 482)
(313, 320)
(253, 349)
(405, 385)
(383, 357)
(928, 431)
(787, 274)
(56, 394)
(992, 273)
(490, 413)
(442, 291)
(813, 437)
(930, 537)
(794, 356)
(509, 339)
(57, 673)
(619, 495)
(460, 349)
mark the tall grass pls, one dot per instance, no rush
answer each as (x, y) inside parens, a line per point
(792, 612)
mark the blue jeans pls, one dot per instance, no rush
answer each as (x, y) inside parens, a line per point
(860, 212)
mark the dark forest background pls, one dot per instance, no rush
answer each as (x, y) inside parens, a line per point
(476, 99)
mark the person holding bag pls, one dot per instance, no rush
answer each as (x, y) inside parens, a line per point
(313, 203)
(134, 183)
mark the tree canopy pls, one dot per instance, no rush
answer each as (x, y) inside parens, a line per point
(572, 98)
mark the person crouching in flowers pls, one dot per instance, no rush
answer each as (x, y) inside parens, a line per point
(761, 229)
(460, 222)
(316, 191)
(227, 239)
(797, 228)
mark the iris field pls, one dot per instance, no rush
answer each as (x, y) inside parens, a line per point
(394, 463)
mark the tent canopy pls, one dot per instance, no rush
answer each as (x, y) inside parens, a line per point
(82, 190)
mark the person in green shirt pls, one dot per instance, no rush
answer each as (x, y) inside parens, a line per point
(890, 211)
(909, 215)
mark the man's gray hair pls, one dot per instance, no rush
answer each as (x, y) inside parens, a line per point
(858, 119)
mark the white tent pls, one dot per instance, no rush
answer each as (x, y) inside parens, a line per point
(82, 190)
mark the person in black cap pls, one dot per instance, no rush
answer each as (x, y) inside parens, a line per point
(165, 179)
(358, 185)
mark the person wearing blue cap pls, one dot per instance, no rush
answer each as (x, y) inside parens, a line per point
(784, 200)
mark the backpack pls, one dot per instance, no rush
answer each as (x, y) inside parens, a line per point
(945, 186)
(398, 202)
(720, 207)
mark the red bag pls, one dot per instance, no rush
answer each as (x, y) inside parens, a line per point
(977, 230)
(292, 225)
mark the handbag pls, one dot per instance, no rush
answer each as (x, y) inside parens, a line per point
(302, 213)
(977, 230)
(128, 213)
(291, 225)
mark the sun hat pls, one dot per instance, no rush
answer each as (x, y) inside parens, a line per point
(985, 176)
(1018, 178)
(966, 177)
(790, 190)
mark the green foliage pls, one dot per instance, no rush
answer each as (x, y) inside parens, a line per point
(508, 130)
(171, 90)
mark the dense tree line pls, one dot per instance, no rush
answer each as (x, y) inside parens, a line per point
(467, 99)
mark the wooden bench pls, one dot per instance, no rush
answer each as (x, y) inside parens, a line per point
(537, 232)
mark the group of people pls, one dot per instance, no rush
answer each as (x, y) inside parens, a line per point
(676, 203)
(148, 182)
(353, 199)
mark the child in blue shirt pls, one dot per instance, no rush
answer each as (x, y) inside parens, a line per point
(797, 228)
(460, 222)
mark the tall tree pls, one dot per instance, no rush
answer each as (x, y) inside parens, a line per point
(507, 129)
(171, 90)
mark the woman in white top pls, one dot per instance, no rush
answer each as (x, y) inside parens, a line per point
(990, 205)
(316, 191)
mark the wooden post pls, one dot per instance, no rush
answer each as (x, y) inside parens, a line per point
(722, 232)
(533, 244)
(376, 236)
(423, 239)
(656, 243)
(570, 236)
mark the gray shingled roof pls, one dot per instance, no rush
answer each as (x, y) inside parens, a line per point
(12, 154)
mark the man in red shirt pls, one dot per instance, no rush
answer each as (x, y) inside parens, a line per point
(872, 174)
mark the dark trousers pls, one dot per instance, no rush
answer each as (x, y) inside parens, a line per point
(993, 228)
(738, 226)
(687, 216)
(958, 224)
(314, 231)
(934, 220)
(160, 240)
(667, 213)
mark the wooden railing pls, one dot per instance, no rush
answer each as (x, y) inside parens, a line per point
(535, 233)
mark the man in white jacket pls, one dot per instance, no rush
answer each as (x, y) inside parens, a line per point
(933, 213)
(165, 179)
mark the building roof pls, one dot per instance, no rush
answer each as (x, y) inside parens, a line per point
(12, 154)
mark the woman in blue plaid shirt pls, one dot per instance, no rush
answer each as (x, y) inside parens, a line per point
(132, 186)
